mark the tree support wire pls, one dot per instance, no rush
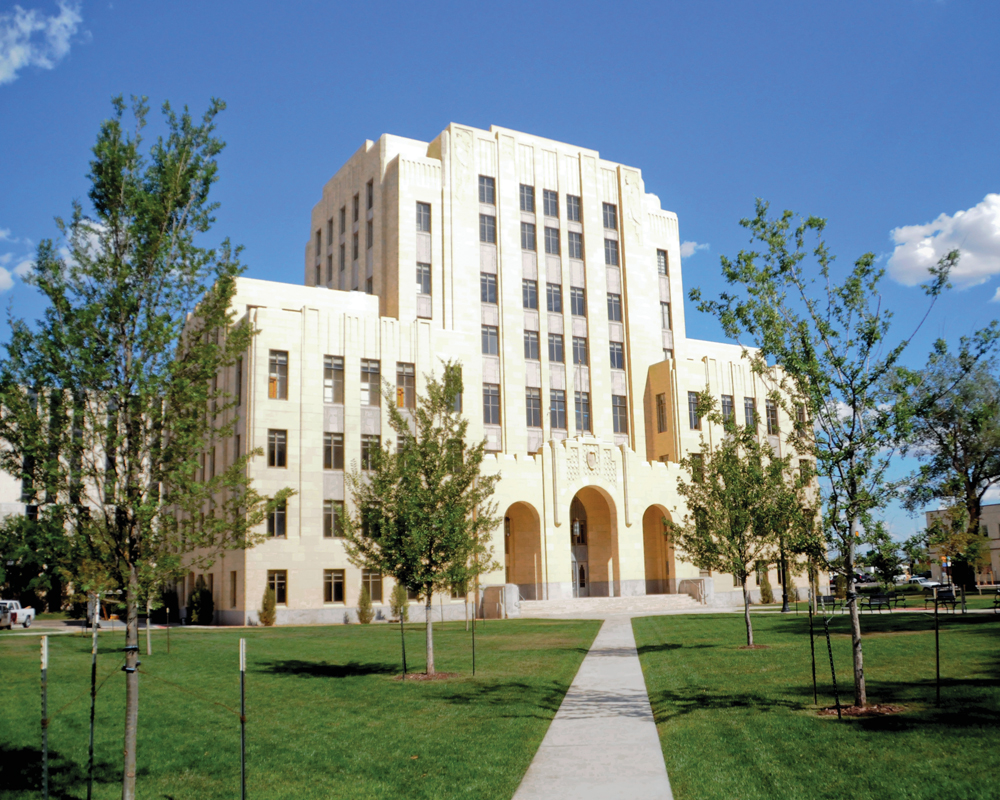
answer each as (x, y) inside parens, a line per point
(833, 672)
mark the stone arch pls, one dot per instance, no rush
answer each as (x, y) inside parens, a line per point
(522, 549)
(595, 508)
(658, 552)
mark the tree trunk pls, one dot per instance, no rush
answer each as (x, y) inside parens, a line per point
(783, 566)
(131, 682)
(429, 610)
(860, 693)
(746, 612)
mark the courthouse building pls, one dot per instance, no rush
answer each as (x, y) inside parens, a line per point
(555, 279)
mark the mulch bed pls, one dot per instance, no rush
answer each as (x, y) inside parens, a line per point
(423, 676)
(876, 710)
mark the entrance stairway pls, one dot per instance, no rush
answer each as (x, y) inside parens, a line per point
(646, 604)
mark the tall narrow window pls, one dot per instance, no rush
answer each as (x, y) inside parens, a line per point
(572, 208)
(617, 355)
(277, 383)
(487, 190)
(487, 287)
(533, 404)
(333, 379)
(527, 198)
(531, 345)
(424, 217)
(800, 413)
(316, 278)
(577, 302)
(319, 246)
(611, 252)
(529, 294)
(550, 203)
(553, 298)
(575, 244)
(329, 269)
(610, 216)
(619, 413)
(423, 278)
(277, 582)
(528, 236)
(276, 520)
(487, 229)
(728, 410)
(694, 421)
(333, 515)
(583, 411)
(552, 241)
(750, 412)
(369, 234)
(371, 383)
(771, 410)
(406, 385)
(277, 444)
(343, 257)
(354, 245)
(232, 589)
(580, 350)
(614, 307)
(343, 219)
(661, 262)
(357, 207)
(556, 348)
(333, 586)
(333, 451)
(369, 444)
(372, 581)
(370, 194)
(239, 381)
(661, 413)
(665, 321)
(557, 409)
(491, 404)
(491, 340)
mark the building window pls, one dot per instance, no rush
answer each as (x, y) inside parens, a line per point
(557, 409)
(617, 355)
(491, 404)
(806, 471)
(333, 519)
(750, 412)
(529, 294)
(369, 234)
(533, 404)
(800, 413)
(528, 236)
(619, 415)
(528, 198)
(406, 385)
(333, 379)
(277, 582)
(333, 451)
(550, 203)
(354, 240)
(491, 343)
(276, 520)
(239, 381)
(371, 383)
(575, 244)
(661, 262)
(333, 586)
(665, 316)
(487, 229)
(343, 257)
(368, 286)
(552, 241)
(370, 194)
(276, 448)
(232, 589)
(343, 219)
(614, 307)
(277, 384)
(577, 302)
(316, 279)
(771, 410)
(487, 287)
(580, 350)
(424, 217)
(319, 246)
(531, 345)
(611, 252)
(693, 419)
(372, 581)
(237, 449)
(583, 411)
(369, 444)
(423, 278)
(610, 216)
(572, 208)
(487, 190)
(553, 298)
(698, 470)
(329, 269)
(661, 413)
(357, 207)
(556, 348)
(728, 410)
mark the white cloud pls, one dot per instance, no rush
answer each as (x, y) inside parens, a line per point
(29, 38)
(690, 248)
(24, 268)
(6, 280)
(974, 232)
(5, 235)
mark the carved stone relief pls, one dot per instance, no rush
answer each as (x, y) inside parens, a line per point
(633, 205)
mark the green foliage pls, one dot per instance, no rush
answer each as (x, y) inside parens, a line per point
(37, 560)
(885, 558)
(952, 536)
(399, 603)
(268, 608)
(201, 604)
(840, 586)
(366, 613)
(766, 592)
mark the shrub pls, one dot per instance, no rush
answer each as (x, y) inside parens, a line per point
(165, 610)
(840, 587)
(365, 611)
(399, 603)
(201, 605)
(766, 594)
(267, 608)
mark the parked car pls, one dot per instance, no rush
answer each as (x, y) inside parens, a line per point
(18, 615)
(924, 583)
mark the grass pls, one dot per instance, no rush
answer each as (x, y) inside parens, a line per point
(325, 716)
(738, 723)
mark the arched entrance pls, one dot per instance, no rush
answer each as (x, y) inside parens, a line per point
(593, 544)
(658, 552)
(522, 550)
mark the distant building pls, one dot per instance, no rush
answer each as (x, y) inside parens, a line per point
(990, 528)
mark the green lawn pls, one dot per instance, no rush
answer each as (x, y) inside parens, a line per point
(325, 717)
(741, 724)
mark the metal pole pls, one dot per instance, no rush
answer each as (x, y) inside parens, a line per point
(149, 639)
(812, 650)
(402, 638)
(93, 702)
(243, 719)
(45, 717)
(937, 650)
(833, 672)
(474, 638)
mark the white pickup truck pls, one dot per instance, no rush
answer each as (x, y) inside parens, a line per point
(18, 615)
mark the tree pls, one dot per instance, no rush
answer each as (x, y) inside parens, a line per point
(268, 608)
(739, 495)
(201, 604)
(399, 603)
(884, 557)
(365, 611)
(955, 434)
(110, 398)
(37, 559)
(967, 548)
(422, 512)
(916, 551)
(831, 342)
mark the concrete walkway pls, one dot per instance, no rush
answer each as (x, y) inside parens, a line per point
(603, 742)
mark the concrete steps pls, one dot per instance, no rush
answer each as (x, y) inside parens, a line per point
(608, 605)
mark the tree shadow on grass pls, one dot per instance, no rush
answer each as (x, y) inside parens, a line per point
(322, 669)
(669, 705)
(840, 624)
(532, 698)
(22, 772)
(666, 647)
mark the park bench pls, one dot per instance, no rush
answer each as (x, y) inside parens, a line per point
(945, 597)
(996, 602)
(829, 602)
(897, 599)
(876, 601)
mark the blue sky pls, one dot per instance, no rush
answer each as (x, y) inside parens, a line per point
(881, 116)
